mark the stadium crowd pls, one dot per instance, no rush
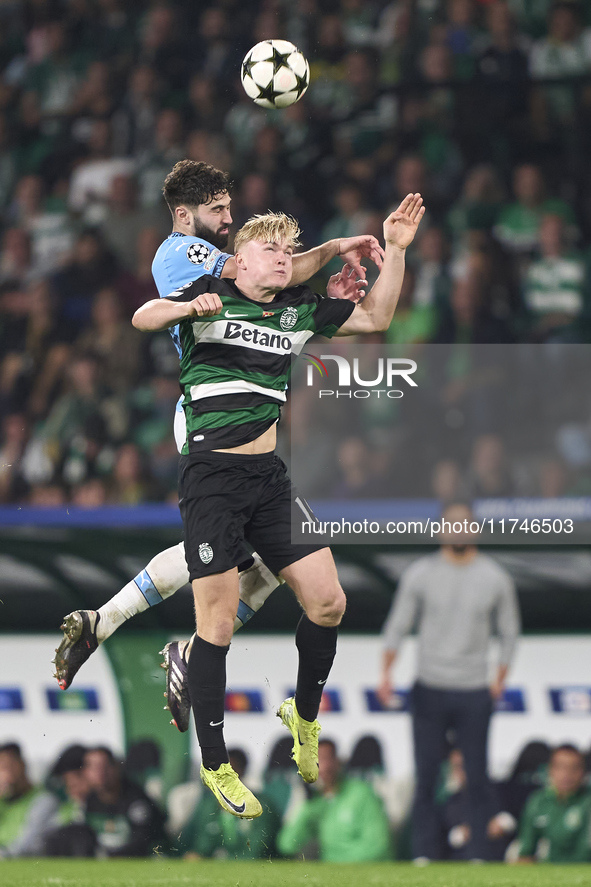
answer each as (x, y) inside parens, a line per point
(483, 107)
(94, 805)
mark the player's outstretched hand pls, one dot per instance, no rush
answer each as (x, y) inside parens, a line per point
(354, 249)
(401, 226)
(346, 284)
(206, 305)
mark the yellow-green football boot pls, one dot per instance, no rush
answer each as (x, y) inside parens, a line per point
(230, 793)
(305, 739)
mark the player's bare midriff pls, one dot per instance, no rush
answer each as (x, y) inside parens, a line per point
(264, 444)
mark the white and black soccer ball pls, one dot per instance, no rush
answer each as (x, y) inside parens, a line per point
(275, 74)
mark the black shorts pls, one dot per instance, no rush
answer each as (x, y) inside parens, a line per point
(226, 499)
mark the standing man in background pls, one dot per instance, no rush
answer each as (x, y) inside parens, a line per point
(458, 598)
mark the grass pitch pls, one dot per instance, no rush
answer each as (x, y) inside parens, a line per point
(169, 873)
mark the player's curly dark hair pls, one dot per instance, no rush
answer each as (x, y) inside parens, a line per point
(194, 183)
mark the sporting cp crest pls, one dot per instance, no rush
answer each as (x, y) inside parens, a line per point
(206, 552)
(288, 319)
(197, 253)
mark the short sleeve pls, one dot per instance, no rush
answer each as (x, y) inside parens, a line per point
(204, 258)
(191, 290)
(331, 314)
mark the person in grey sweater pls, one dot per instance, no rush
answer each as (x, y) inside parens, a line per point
(458, 598)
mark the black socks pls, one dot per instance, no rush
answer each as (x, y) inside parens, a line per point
(206, 672)
(317, 646)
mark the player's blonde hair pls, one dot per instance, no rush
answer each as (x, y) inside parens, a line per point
(268, 228)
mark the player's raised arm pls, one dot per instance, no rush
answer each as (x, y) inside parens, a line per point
(375, 313)
(160, 314)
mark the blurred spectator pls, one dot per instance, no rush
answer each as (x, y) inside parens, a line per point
(556, 821)
(7, 162)
(554, 293)
(160, 157)
(528, 775)
(207, 147)
(518, 223)
(253, 196)
(56, 78)
(502, 68)
(89, 493)
(124, 221)
(212, 832)
(113, 342)
(478, 207)
(351, 218)
(143, 765)
(15, 433)
(163, 45)
(91, 268)
(412, 323)
(47, 496)
(429, 119)
(219, 49)
(47, 342)
(344, 816)
(432, 283)
(357, 470)
(92, 179)
(75, 431)
(469, 318)
(69, 835)
(94, 100)
(125, 821)
(452, 689)
(367, 757)
(15, 258)
(25, 809)
(135, 119)
(367, 115)
(327, 69)
(410, 176)
(564, 52)
(488, 475)
(204, 110)
(446, 483)
(461, 34)
(454, 804)
(130, 483)
(137, 286)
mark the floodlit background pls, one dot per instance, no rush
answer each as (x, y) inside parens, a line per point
(483, 107)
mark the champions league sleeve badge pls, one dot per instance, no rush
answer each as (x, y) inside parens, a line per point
(197, 253)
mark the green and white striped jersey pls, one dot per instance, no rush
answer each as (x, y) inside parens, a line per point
(235, 365)
(555, 286)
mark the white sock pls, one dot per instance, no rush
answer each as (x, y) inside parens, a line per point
(165, 574)
(256, 584)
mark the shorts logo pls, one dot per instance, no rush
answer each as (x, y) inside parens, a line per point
(206, 552)
(288, 319)
(197, 253)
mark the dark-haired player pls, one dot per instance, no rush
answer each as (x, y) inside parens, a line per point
(198, 196)
(237, 339)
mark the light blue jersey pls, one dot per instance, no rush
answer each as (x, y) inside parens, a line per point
(181, 260)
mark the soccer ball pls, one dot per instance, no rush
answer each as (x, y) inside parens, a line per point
(275, 74)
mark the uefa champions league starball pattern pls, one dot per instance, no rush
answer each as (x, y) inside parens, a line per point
(275, 74)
